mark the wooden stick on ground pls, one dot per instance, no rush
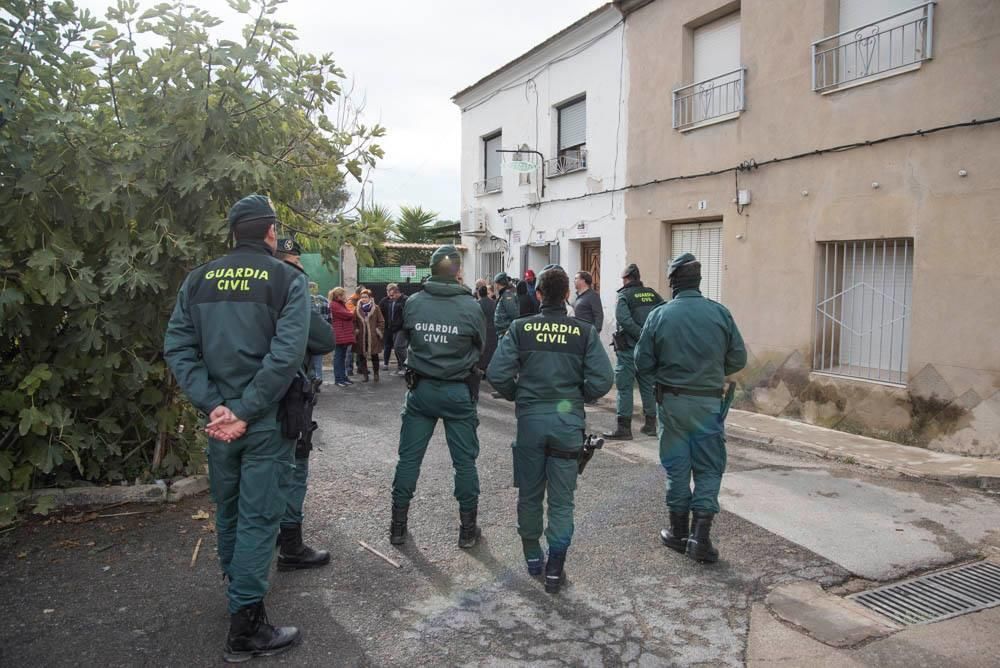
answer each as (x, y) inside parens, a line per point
(134, 512)
(194, 557)
(379, 554)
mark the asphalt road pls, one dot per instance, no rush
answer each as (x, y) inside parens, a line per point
(120, 591)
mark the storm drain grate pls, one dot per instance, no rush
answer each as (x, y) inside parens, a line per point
(937, 596)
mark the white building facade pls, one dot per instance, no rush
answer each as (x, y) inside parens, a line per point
(565, 100)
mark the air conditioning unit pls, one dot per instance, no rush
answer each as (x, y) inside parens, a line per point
(508, 223)
(474, 220)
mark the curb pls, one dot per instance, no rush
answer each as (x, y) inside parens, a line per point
(158, 492)
(755, 439)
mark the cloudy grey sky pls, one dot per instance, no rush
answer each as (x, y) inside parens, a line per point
(409, 57)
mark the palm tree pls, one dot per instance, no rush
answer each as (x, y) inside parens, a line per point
(415, 225)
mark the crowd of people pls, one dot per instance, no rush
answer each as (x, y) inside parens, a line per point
(253, 384)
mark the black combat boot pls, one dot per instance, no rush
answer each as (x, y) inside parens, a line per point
(375, 370)
(293, 554)
(649, 426)
(554, 576)
(623, 432)
(468, 533)
(699, 545)
(533, 556)
(397, 530)
(250, 635)
(676, 537)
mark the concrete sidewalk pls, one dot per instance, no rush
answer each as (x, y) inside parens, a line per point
(764, 431)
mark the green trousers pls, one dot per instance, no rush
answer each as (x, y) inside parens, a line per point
(692, 447)
(430, 401)
(295, 492)
(625, 377)
(537, 476)
(246, 479)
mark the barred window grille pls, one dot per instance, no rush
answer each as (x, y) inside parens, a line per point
(491, 264)
(864, 295)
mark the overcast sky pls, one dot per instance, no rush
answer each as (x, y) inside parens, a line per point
(410, 57)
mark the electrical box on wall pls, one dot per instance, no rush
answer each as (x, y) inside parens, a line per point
(743, 197)
(508, 223)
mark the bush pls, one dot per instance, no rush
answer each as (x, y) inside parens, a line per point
(117, 170)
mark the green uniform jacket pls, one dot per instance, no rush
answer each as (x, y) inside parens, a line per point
(635, 301)
(507, 311)
(238, 333)
(446, 330)
(550, 363)
(320, 336)
(690, 342)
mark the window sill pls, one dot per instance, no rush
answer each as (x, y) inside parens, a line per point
(566, 172)
(489, 192)
(872, 79)
(856, 379)
(710, 121)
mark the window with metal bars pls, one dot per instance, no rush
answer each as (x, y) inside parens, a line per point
(491, 264)
(864, 296)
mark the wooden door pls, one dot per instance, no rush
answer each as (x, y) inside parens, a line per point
(590, 260)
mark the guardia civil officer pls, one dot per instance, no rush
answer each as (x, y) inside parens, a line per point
(689, 345)
(549, 364)
(446, 330)
(235, 342)
(508, 309)
(293, 554)
(635, 301)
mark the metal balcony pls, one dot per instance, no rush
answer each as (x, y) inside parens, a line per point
(896, 42)
(494, 184)
(716, 98)
(568, 162)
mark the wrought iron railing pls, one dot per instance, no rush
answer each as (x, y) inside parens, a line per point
(494, 184)
(569, 161)
(712, 98)
(894, 42)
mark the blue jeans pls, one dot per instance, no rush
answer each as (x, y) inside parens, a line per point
(316, 366)
(340, 363)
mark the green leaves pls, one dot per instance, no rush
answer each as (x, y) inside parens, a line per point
(119, 165)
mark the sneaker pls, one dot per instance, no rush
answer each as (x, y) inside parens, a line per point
(401, 372)
(349, 381)
(385, 367)
(341, 383)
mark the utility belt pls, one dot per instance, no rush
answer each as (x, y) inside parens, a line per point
(295, 412)
(591, 444)
(663, 390)
(472, 381)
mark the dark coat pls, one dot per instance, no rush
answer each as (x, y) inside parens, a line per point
(526, 305)
(393, 317)
(368, 331)
(489, 309)
(588, 308)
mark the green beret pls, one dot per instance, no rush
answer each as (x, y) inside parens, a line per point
(251, 207)
(289, 246)
(502, 278)
(631, 270)
(446, 253)
(679, 262)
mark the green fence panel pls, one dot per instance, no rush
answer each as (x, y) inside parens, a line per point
(388, 275)
(326, 277)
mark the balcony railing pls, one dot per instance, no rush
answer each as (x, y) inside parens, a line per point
(718, 97)
(898, 41)
(494, 184)
(569, 161)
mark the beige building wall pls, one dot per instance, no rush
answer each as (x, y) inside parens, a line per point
(770, 253)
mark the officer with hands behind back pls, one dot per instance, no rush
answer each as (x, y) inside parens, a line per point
(549, 364)
(446, 331)
(235, 341)
(689, 345)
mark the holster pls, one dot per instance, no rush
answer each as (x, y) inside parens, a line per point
(472, 381)
(412, 379)
(620, 340)
(296, 407)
